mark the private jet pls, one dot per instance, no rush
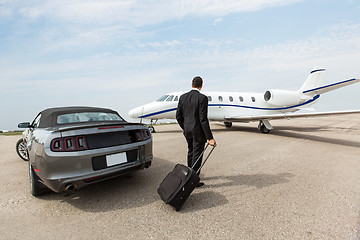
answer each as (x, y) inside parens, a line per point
(229, 107)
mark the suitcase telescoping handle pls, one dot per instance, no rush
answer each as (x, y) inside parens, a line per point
(207, 157)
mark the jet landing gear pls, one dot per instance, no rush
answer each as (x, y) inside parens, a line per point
(228, 124)
(265, 126)
(151, 127)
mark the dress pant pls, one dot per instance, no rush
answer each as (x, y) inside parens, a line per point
(195, 149)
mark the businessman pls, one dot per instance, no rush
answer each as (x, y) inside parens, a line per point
(192, 112)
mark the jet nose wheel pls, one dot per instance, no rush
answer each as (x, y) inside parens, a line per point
(265, 126)
(263, 129)
(151, 129)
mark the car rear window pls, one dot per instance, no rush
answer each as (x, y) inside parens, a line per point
(87, 117)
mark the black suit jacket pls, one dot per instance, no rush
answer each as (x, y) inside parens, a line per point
(192, 116)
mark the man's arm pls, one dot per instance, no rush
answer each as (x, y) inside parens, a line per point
(179, 114)
(204, 121)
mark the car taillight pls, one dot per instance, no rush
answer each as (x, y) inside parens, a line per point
(57, 145)
(81, 143)
(69, 144)
(141, 135)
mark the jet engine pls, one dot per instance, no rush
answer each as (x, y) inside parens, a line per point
(283, 98)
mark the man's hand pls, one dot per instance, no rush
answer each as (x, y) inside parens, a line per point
(212, 142)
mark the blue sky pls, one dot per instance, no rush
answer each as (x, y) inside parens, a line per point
(125, 53)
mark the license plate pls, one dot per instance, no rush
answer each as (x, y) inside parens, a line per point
(116, 159)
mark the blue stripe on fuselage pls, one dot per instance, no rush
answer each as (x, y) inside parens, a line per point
(158, 113)
(239, 106)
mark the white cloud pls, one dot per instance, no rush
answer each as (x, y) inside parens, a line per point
(84, 24)
(135, 12)
(339, 41)
(171, 64)
(163, 44)
(339, 48)
(221, 7)
(217, 20)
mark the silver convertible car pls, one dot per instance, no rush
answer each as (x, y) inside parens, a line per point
(71, 147)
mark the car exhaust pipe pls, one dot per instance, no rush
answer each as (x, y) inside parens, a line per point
(69, 187)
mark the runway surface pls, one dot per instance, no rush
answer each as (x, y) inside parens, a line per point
(301, 181)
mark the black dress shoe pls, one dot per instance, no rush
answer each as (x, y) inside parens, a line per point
(200, 184)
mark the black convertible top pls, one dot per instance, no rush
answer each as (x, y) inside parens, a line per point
(49, 116)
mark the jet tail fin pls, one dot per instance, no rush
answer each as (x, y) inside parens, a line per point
(314, 80)
(313, 85)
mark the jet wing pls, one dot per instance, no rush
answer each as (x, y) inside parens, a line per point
(285, 116)
(330, 87)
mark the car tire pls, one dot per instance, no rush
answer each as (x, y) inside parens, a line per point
(36, 187)
(21, 150)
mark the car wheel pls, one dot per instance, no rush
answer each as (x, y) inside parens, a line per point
(36, 187)
(21, 150)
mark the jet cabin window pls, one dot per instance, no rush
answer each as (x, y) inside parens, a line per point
(209, 98)
(220, 98)
(253, 99)
(162, 98)
(241, 99)
(170, 98)
(231, 99)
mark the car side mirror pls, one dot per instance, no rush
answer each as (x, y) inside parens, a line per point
(24, 125)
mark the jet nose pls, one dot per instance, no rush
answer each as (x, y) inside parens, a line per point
(136, 112)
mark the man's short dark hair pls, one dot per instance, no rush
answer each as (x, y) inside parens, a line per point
(197, 82)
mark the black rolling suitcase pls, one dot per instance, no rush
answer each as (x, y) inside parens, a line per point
(179, 183)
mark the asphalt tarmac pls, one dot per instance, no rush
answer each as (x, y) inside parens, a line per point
(301, 181)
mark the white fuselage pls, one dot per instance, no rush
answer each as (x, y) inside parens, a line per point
(221, 105)
(231, 107)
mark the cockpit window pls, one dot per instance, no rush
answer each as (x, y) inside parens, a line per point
(170, 98)
(162, 98)
(176, 99)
